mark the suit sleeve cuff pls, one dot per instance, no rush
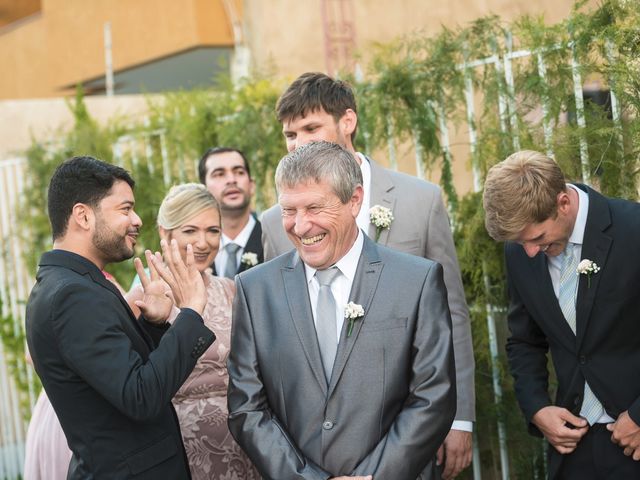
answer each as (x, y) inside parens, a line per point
(462, 425)
(188, 312)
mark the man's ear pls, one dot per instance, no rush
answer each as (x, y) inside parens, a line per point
(564, 202)
(348, 122)
(82, 216)
(356, 200)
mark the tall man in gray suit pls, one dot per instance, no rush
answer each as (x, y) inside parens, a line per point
(341, 360)
(317, 107)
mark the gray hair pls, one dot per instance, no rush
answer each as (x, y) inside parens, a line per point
(320, 161)
(182, 203)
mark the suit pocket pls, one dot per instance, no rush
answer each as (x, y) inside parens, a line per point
(152, 455)
(385, 324)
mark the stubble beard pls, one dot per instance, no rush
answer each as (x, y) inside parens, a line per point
(234, 211)
(112, 247)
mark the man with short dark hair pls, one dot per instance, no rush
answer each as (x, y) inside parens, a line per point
(341, 361)
(573, 291)
(226, 173)
(111, 377)
(317, 107)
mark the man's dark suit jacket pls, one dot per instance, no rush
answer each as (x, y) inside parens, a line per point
(254, 245)
(109, 377)
(606, 349)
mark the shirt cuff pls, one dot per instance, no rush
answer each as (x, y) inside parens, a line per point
(463, 425)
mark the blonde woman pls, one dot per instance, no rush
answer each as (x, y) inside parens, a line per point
(190, 214)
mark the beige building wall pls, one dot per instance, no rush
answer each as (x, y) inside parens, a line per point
(292, 41)
(289, 36)
(42, 119)
(63, 44)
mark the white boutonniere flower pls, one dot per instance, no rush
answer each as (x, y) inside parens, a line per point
(588, 267)
(381, 217)
(249, 258)
(353, 312)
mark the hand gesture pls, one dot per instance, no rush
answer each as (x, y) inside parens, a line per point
(560, 427)
(156, 302)
(184, 279)
(626, 434)
(455, 452)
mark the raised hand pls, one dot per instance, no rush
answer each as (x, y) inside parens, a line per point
(156, 302)
(626, 433)
(560, 427)
(184, 279)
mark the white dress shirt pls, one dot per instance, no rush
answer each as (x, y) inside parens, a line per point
(362, 219)
(341, 286)
(577, 237)
(241, 239)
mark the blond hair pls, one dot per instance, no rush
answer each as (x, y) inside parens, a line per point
(184, 202)
(519, 191)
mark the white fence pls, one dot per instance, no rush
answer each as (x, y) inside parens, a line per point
(15, 283)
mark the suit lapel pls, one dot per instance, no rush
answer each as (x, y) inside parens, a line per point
(382, 187)
(595, 247)
(531, 275)
(364, 286)
(297, 294)
(254, 245)
(541, 283)
(99, 278)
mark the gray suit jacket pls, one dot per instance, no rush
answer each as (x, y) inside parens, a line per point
(390, 401)
(420, 227)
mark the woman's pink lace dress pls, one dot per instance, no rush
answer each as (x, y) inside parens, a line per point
(201, 402)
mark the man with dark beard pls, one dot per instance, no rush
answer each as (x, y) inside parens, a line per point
(226, 174)
(110, 377)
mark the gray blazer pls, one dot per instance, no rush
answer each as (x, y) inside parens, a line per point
(390, 401)
(420, 227)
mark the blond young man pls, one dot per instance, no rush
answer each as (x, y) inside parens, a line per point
(573, 289)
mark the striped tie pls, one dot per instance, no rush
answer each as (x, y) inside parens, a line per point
(591, 408)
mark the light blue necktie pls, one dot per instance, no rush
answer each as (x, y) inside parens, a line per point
(591, 407)
(326, 321)
(231, 268)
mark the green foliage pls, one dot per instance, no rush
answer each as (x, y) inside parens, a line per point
(13, 339)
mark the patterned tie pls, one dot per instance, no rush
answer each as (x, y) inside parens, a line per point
(326, 322)
(591, 408)
(231, 267)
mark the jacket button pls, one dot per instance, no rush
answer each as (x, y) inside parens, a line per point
(582, 360)
(327, 425)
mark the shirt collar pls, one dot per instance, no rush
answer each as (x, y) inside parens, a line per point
(365, 166)
(243, 236)
(347, 264)
(577, 235)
